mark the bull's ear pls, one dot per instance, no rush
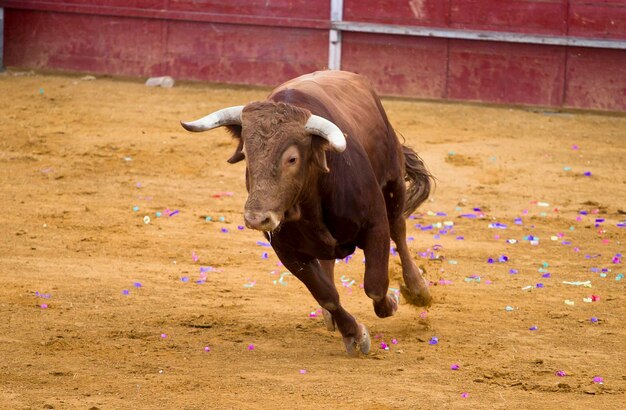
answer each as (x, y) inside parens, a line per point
(238, 155)
(319, 146)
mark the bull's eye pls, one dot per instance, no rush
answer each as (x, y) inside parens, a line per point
(290, 157)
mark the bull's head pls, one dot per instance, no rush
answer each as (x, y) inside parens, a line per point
(283, 145)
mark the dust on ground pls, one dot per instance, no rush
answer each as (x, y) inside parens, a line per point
(117, 291)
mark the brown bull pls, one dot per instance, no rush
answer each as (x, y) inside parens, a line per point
(325, 174)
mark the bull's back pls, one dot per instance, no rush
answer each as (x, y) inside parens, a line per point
(348, 100)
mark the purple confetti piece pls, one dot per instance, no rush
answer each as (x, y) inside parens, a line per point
(455, 367)
(433, 340)
(125, 292)
(513, 271)
(594, 320)
(174, 212)
(561, 373)
(137, 284)
(533, 328)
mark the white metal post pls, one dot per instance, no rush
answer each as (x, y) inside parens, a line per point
(334, 36)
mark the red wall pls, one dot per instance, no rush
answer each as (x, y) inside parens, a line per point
(267, 42)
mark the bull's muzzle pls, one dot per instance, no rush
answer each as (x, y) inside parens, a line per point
(261, 221)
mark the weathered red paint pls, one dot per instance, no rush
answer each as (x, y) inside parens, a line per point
(506, 73)
(599, 19)
(596, 78)
(430, 13)
(398, 65)
(267, 42)
(520, 16)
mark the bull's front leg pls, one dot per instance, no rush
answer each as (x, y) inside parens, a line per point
(376, 282)
(355, 335)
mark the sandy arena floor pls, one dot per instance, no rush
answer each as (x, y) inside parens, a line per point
(99, 310)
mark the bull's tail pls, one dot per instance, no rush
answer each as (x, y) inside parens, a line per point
(419, 180)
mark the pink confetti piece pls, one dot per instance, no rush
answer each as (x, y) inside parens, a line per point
(455, 367)
(302, 371)
(44, 306)
(250, 347)
(207, 349)
(598, 380)
(465, 395)
(561, 373)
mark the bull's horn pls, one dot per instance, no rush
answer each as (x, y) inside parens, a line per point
(327, 130)
(225, 116)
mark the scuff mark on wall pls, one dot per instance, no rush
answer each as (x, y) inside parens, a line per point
(417, 7)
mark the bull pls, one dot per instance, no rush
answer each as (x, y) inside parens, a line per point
(326, 173)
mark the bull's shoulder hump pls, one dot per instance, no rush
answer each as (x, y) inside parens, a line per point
(324, 79)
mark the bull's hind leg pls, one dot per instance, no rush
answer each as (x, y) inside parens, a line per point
(415, 289)
(355, 335)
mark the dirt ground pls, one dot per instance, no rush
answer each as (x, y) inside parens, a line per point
(117, 291)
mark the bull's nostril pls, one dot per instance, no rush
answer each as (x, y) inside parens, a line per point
(259, 220)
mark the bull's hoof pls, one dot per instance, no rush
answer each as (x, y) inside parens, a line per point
(328, 320)
(420, 298)
(361, 343)
(387, 306)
